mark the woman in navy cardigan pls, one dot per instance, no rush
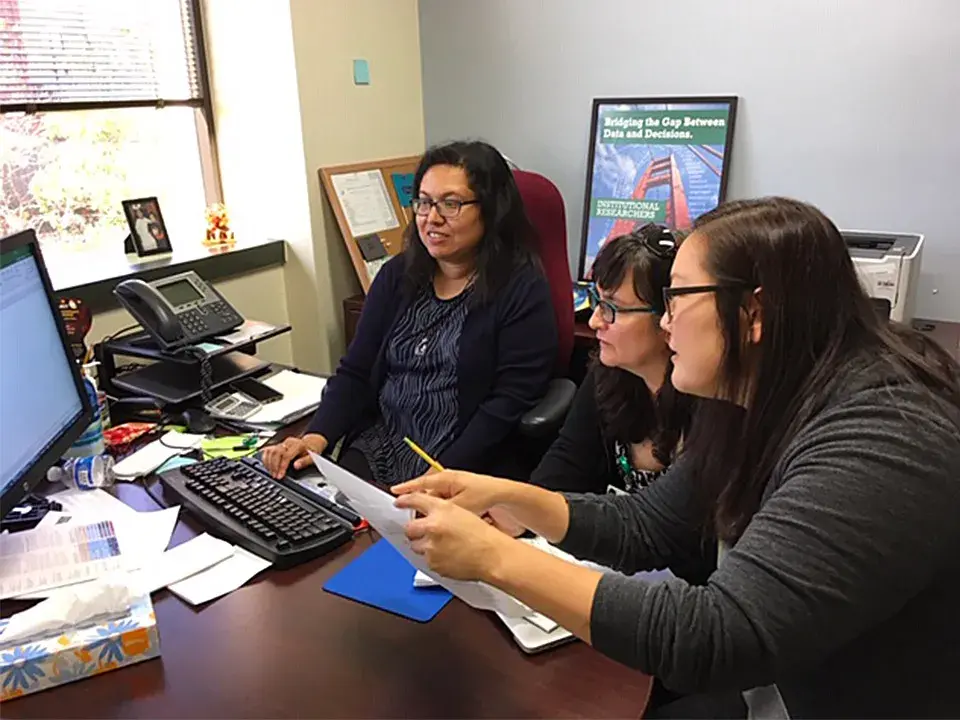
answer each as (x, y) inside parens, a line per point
(457, 339)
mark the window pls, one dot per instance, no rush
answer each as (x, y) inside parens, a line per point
(101, 101)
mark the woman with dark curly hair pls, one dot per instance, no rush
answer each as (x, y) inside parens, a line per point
(626, 422)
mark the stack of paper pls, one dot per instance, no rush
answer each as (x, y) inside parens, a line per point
(47, 558)
(118, 538)
(301, 394)
(95, 534)
(148, 458)
(248, 332)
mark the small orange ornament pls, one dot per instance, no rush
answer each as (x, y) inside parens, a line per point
(218, 227)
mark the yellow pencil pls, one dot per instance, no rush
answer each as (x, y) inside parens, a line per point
(426, 458)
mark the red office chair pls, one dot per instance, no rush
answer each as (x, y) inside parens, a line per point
(544, 206)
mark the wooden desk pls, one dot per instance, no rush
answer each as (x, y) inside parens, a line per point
(282, 647)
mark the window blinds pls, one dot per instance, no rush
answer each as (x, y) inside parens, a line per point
(72, 54)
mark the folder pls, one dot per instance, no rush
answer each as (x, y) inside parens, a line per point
(382, 578)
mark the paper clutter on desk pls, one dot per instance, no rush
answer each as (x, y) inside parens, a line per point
(148, 458)
(73, 653)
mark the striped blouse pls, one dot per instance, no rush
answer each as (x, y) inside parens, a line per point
(419, 397)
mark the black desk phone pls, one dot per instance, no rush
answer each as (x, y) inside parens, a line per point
(178, 310)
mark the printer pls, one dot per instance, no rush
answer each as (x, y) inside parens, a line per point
(888, 265)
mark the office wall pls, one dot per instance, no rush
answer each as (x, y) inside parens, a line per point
(285, 105)
(848, 104)
(345, 123)
(258, 295)
(260, 148)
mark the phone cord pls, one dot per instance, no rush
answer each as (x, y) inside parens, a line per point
(206, 372)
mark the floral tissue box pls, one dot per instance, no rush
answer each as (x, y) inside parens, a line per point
(47, 662)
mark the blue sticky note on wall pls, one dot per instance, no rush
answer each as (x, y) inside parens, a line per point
(361, 72)
(403, 184)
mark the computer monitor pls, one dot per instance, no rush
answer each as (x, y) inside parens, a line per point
(44, 407)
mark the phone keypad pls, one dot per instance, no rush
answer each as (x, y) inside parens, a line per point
(215, 317)
(193, 322)
(225, 312)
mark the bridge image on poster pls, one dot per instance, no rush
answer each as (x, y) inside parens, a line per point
(671, 184)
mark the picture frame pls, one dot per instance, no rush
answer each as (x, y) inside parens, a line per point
(653, 159)
(148, 232)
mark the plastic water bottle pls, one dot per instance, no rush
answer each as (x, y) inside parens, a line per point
(90, 372)
(85, 473)
(90, 443)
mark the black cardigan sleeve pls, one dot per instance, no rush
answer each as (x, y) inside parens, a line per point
(578, 461)
(350, 392)
(526, 348)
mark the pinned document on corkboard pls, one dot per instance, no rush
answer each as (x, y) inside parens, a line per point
(371, 201)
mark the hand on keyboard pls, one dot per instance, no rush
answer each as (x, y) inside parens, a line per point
(292, 452)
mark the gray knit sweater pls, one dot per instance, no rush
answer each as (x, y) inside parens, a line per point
(844, 590)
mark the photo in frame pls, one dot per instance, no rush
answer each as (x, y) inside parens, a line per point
(147, 230)
(664, 160)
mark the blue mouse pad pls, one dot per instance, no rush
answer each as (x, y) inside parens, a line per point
(383, 578)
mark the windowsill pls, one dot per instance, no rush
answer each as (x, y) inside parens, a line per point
(92, 277)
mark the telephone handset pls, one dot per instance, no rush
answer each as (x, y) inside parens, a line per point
(178, 310)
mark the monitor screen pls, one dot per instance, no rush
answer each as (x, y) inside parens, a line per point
(662, 160)
(39, 397)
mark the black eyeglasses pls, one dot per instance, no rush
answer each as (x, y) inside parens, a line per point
(670, 293)
(608, 310)
(446, 207)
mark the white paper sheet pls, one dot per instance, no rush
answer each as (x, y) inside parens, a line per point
(47, 558)
(181, 562)
(148, 458)
(365, 202)
(300, 392)
(222, 578)
(145, 535)
(91, 504)
(249, 331)
(142, 536)
(53, 517)
(378, 508)
(422, 580)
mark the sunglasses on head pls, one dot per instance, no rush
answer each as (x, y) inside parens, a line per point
(659, 240)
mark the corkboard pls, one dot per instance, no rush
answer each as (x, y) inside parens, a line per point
(392, 239)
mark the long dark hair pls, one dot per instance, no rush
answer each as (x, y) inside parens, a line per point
(816, 318)
(508, 235)
(628, 411)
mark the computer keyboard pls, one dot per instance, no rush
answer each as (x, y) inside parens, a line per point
(242, 504)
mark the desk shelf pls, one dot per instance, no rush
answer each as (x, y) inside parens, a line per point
(141, 345)
(174, 377)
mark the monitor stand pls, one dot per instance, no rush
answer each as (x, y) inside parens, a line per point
(28, 513)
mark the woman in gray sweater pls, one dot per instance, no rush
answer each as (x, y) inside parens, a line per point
(825, 459)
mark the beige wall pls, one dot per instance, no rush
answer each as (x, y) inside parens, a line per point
(285, 105)
(253, 294)
(344, 123)
(260, 148)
